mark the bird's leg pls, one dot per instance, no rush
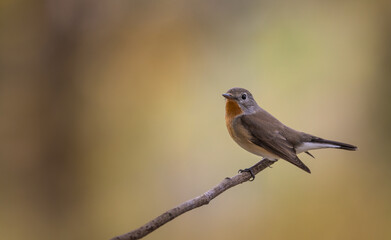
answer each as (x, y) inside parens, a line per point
(250, 169)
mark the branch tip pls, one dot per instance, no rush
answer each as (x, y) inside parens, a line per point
(196, 202)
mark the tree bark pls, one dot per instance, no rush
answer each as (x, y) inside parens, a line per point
(196, 202)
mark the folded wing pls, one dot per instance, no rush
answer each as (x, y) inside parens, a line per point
(267, 132)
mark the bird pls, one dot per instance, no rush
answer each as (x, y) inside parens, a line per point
(260, 133)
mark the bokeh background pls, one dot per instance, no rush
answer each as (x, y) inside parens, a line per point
(111, 113)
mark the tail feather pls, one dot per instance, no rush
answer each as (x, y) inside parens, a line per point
(338, 145)
(309, 154)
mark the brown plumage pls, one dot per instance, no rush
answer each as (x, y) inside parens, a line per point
(260, 133)
(232, 110)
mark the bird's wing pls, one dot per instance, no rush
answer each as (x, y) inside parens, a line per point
(267, 132)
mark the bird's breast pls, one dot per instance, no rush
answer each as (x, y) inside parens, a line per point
(240, 134)
(232, 110)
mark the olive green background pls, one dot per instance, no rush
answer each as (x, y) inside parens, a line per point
(111, 113)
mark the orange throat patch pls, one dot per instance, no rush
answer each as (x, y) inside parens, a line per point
(232, 109)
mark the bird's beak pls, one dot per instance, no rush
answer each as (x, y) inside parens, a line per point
(228, 96)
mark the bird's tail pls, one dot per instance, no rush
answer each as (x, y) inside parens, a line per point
(312, 143)
(333, 144)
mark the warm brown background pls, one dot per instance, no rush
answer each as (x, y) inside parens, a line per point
(111, 113)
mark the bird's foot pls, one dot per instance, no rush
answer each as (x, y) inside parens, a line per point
(249, 170)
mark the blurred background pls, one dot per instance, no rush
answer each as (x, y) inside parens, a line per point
(111, 113)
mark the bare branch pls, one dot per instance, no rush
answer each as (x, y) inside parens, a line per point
(199, 201)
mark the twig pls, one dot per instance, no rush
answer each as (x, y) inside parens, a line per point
(199, 201)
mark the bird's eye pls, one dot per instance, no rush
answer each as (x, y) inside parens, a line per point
(244, 96)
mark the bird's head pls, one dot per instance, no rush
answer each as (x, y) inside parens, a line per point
(243, 98)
